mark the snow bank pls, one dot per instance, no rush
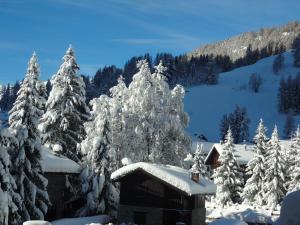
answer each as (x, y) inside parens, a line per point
(98, 220)
(245, 213)
(58, 164)
(224, 221)
(175, 176)
(36, 222)
(290, 210)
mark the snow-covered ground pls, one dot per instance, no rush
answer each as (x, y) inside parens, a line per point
(245, 213)
(207, 104)
(289, 214)
(93, 220)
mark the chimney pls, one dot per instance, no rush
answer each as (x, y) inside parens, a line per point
(195, 175)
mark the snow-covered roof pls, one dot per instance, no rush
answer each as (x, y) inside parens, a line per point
(243, 152)
(58, 164)
(173, 175)
(206, 146)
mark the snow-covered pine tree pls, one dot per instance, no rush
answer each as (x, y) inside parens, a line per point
(66, 110)
(27, 168)
(274, 179)
(289, 124)
(293, 160)
(227, 176)
(256, 168)
(199, 164)
(100, 194)
(10, 200)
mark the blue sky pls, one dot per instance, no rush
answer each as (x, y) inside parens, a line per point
(105, 32)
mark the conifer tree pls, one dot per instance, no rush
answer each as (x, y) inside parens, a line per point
(199, 164)
(227, 176)
(10, 200)
(256, 168)
(66, 110)
(289, 124)
(27, 168)
(293, 159)
(274, 180)
(100, 194)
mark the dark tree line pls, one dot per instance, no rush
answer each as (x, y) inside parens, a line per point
(296, 47)
(8, 95)
(238, 121)
(289, 95)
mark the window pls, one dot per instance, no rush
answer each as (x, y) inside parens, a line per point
(140, 218)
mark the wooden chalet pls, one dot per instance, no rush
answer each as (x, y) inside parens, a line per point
(58, 169)
(243, 153)
(152, 194)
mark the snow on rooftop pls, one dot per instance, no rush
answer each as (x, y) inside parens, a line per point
(225, 221)
(58, 164)
(207, 146)
(243, 152)
(173, 175)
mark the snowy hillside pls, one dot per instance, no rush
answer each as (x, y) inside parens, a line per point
(207, 104)
(235, 47)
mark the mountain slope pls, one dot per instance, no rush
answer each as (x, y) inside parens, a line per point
(207, 104)
(236, 47)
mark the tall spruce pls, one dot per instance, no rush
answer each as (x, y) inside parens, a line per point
(227, 176)
(294, 162)
(66, 110)
(274, 180)
(100, 193)
(256, 168)
(199, 164)
(10, 200)
(27, 168)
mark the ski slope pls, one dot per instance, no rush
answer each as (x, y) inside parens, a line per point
(207, 104)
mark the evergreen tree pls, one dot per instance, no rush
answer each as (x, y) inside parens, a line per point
(255, 82)
(10, 200)
(66, 110)
(224, 126)
(227, 176)
(289, 124)
(278, 63)
(256, 168)
(199, 164)
(296, 46)
(212, 76)
(293, 159)
(100, 193)
(27, 168)
(274, 180)
(238, 121)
